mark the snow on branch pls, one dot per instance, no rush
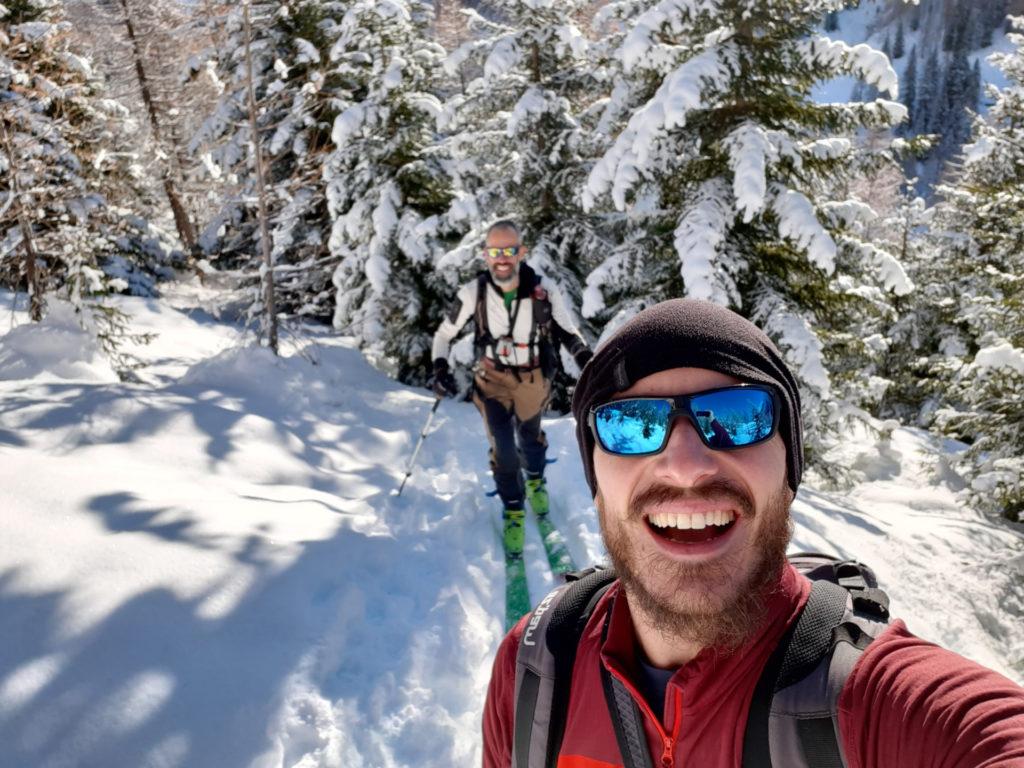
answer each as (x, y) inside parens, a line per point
(532, 104)
(505, 55)
(349, 123)
(384, 218)
(849, 212)
(749, 149)
(674, 13)
(998, 356)
(699, 236)
(891, 273)
(800, 345)
(862, 60)
(834, 148)
(680, 93)
(456, 58)
(798, 223)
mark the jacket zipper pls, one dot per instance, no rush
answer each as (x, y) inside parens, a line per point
(667, 758)
(668, 742)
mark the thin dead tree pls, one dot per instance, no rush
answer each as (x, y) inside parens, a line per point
(270, 313)
(35, 292)
(182, 222)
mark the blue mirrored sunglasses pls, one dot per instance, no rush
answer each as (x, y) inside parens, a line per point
(724, 418)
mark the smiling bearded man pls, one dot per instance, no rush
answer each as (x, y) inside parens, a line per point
(705, 647)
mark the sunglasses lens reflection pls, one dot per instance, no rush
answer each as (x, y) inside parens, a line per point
(725, 418)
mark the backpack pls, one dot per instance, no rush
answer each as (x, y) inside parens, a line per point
(793, 719)
(540, 330)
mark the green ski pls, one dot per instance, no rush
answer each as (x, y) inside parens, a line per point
(554, 545)
(558, 555)
(517, 595)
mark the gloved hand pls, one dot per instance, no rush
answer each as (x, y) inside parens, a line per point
(582, 357)
(443, 382)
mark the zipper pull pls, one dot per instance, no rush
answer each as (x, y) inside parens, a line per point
(667, 761)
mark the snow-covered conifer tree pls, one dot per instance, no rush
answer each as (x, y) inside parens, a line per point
(54, 136)
(59, 161)
(899, 42)
(289, 49)
(732, 170)
(908, 90)
(982, 367)
(142, 47)
(929, 88)
(921, 322)
(387, 183)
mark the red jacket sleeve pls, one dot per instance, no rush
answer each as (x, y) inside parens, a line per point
(499, 709)
(909, 703)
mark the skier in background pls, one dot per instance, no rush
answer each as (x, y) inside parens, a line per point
(519, 326)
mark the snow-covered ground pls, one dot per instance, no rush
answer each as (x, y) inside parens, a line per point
(208, 567)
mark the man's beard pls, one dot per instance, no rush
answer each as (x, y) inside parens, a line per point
(505, 282)
(708, 618)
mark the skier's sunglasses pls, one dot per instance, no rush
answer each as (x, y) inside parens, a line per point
(725, 418)
(509, 252)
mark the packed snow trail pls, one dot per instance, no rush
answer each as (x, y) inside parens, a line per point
(209, 567)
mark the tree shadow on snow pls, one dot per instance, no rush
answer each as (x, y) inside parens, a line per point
(835, 508)
(170, 679)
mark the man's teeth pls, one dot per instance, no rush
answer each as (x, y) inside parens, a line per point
(693, 521)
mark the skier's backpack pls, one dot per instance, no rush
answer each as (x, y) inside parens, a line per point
(793, 720)
(540, 328)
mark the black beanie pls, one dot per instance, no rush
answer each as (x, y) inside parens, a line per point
(687, 333)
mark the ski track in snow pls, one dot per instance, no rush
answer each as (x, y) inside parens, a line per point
(209, 568)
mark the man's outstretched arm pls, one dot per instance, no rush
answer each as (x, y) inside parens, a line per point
(911, 704)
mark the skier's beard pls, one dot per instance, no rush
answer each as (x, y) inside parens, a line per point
(721, 603)
(506, 283)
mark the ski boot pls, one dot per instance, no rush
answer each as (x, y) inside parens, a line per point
(514, 531)
(537, 495)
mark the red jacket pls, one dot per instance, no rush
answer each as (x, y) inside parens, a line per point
(907, 702)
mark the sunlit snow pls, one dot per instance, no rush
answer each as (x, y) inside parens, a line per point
(208, 567)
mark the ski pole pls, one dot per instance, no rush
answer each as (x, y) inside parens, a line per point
(419, 444)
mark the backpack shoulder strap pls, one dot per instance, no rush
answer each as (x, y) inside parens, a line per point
(793, 719)
(540, 315)
(482, 328)
(541, 307)
(547, 652)
(627, 722)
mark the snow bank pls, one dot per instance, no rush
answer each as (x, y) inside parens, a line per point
(57, 348)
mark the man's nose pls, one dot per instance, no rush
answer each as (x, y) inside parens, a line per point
(686, 461)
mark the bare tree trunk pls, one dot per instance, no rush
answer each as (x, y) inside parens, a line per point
(35, 295)
(268, 277)
(182, 221)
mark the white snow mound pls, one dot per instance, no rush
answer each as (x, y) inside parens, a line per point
(56, 348)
